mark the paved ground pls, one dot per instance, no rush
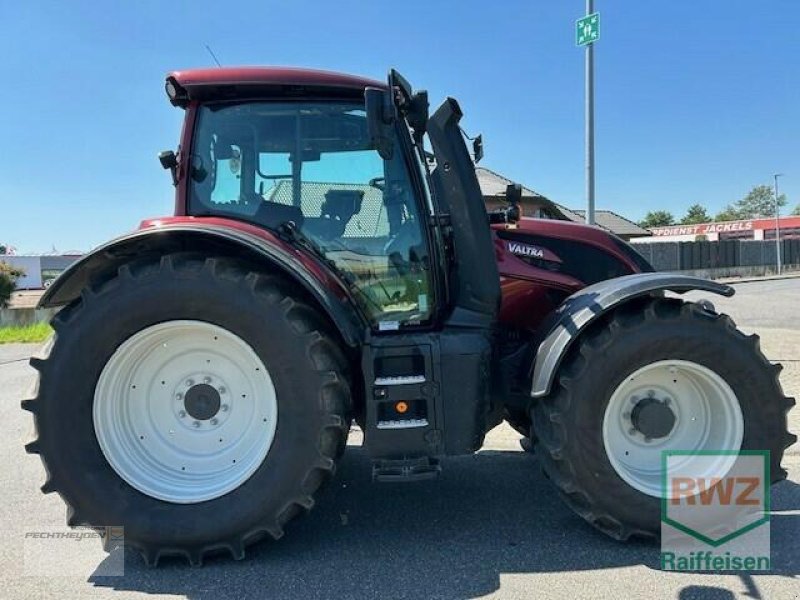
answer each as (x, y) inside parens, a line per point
(490, 526)
(761, 304)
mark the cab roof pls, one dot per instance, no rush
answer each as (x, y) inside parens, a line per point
(223, 83)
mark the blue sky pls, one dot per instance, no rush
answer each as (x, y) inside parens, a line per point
(697, 101)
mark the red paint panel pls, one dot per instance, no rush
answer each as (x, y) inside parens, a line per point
(211, 223)
(270, 76)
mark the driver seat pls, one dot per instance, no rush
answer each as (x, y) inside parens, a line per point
(337, 209)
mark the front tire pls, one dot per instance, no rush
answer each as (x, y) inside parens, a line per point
(152, 368)
(638, 383)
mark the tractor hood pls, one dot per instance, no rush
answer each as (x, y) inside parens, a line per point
(584, 253)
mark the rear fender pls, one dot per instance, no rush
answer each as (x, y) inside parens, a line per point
(105, 260)
(567, 322)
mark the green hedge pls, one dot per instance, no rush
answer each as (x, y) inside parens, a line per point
(8, 278)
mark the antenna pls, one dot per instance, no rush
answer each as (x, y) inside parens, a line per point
(211, 52)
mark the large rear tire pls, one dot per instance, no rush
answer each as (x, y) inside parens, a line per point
(659, 374)
(194, 403)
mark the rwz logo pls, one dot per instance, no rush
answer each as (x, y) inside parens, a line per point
(715, 499)
(520, 249)
(694, 489)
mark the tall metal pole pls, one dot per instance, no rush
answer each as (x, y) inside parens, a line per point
(590, 125)
(777, 223)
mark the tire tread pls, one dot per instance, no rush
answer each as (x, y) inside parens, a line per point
(321, 348)
(552, 436)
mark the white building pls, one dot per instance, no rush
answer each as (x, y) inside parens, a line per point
(39, 270)
(750, 229)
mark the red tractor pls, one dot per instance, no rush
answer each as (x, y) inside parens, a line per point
(331, 260)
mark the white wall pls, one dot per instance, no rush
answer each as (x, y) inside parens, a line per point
(711, 237)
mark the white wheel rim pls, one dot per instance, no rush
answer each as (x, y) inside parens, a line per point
(153, 414)
(707, 417)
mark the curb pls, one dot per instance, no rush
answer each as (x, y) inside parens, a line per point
(735, 280)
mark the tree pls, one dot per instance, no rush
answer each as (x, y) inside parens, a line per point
(696, 213)
(759, 202)
(8, 279)
(796, 211)
(729, 213)
(657, 218)
(2, 248)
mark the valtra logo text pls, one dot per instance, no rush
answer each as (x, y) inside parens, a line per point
(520, 249)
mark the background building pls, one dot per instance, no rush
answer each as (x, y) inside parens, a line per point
(39, 270)
(493, 187)
(749, 229)
(615, 223)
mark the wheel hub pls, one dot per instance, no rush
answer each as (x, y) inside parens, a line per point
(653, 418)
(202, 401)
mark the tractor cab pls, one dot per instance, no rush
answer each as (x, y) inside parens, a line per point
(346, 171)
(342, 174)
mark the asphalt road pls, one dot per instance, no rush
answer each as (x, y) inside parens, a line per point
(491, 525)
(771, 304)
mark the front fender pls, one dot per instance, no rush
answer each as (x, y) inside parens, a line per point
(583, 307)
(106, 259)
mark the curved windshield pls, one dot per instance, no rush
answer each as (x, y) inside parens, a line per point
(312, 164)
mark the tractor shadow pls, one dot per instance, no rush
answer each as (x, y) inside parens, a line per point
(489, 514)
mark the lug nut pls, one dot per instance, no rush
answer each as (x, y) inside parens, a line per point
(650, 393)
(626, 415)
(632, 431)
(196, 424)
(634, 399)
(221, 390)
(181, 413)
(206, 379)
(214, 421)
(224, 408)
(189, 382)
(179, 396)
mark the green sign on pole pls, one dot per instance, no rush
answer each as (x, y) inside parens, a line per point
(587, 29)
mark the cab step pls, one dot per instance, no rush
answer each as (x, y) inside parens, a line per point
(406, 470)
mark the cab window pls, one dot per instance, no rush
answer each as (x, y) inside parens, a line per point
(312, 164)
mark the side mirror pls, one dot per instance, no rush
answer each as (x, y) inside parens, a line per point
(477, 153)
(514, 198)
(514, 193)
(379, 120)
(511, 213)
(169, 160)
